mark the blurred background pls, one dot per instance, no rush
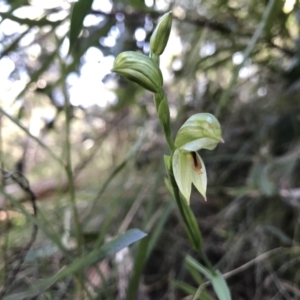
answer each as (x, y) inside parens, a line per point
(213, 63)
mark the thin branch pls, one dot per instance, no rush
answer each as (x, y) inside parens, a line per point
(252, 262)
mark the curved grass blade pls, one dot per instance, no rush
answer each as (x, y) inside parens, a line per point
(79, 12)
(217, 280)
(112, 247)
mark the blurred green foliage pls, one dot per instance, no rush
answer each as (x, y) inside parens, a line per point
(253, 193)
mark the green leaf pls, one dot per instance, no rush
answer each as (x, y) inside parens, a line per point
(137, 4)
(191, 290)
(217, 280)
(167, 160)
(169, 186)
(195, 274)
(164, 115)
(164, 118)
(112, 247)
(220, 286)
(79, 12)
(138, 267)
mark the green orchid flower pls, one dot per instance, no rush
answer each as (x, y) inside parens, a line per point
(201, 131)
(140, 69)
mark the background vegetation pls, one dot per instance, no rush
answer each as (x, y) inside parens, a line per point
(84, 138)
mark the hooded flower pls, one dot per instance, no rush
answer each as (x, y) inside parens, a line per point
(140, 69)
(201, 131)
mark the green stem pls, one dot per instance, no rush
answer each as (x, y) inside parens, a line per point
(68, 164)
(182, 213)
(207, 262)
(170, 142)
(186, 213)
(157, 99)
(70, 176)
(155, 58)
(163, 113)
(194, 240)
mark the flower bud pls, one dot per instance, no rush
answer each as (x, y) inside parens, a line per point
(139, 69)
(160, 36)
(201, 131)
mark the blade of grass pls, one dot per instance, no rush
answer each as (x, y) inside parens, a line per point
(115, 245)
(80, 9)
(217, 280)
(191, 291)
(139, 263)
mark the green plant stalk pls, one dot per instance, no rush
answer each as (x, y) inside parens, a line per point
(207, 262)
(68, 163)
(70, 176)
(192, 237)
(247, 52)
(71, 184)
(158, 98)
(193, 233)
(169, 140)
